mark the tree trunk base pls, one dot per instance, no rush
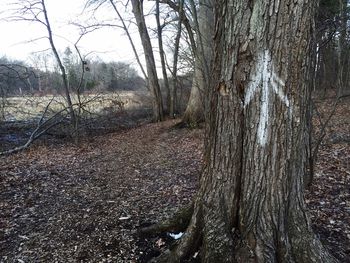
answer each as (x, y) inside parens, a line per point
(216, 243)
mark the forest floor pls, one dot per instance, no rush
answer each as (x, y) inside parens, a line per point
(65, 203)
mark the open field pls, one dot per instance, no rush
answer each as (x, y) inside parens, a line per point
(99, 113)
(31, 107)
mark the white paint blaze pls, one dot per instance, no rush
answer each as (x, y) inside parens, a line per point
(265, 78)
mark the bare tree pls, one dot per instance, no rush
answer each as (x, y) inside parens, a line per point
(162, 56)
(36, 11)
(137, 7)
(195, 110)
(126, 30)
(173, 98)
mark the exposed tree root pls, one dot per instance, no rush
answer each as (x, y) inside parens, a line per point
(178, 223)
(188, 244)
(219, 244)
(308, 248)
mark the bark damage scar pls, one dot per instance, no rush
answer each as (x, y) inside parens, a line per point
(223, 89)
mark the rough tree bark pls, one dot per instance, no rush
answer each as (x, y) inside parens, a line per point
(137, 9)
(250, 205)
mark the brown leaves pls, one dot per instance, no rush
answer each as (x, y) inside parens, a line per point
(64, 203)
(329, 196)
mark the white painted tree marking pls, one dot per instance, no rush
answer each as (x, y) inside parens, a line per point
(265, 78)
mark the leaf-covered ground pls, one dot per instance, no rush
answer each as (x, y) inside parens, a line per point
(63, 203)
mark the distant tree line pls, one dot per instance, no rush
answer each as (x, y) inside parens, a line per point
(18, 78)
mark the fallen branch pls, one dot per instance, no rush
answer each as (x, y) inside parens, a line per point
(37, 133)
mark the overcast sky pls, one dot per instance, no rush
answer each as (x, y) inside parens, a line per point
(109, 44)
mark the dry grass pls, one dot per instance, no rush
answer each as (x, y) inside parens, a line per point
(32, 107)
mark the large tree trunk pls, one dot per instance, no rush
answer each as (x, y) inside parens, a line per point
(137, 9)
(250, 206)
(194, 113)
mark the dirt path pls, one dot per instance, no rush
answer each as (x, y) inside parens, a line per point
(69, 204)
(61, 203)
